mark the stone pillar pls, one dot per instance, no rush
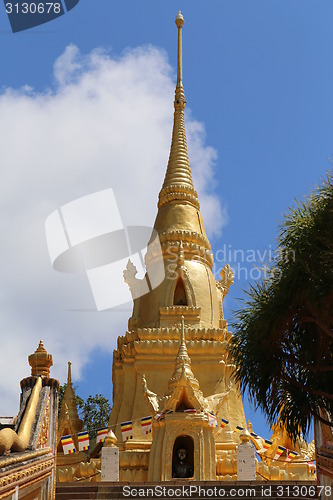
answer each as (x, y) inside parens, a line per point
(110, 459)
(246, 465)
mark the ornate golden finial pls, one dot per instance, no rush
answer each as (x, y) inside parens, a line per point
(41, 347)
(40, 361)
(110, 440)
(178, 183)
(245, 437)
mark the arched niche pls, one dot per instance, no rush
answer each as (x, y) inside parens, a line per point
(183, 457)
(181, 287)
(180, 296)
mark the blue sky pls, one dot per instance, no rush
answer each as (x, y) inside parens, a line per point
(258, 79)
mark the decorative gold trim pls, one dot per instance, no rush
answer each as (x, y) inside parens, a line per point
(7, 494)
(186, 237)
(25, 472)
(22, 458)
(170, 316)
(177, 193)
(28, 484)
(44, 430)
(186, 311)
(172, 333)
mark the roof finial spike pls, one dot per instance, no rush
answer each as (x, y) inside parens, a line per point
(182, 363)
(178, 170)
(180, 23)
(182, 341)
(69, 376)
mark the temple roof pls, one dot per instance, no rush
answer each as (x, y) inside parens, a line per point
(183, 388)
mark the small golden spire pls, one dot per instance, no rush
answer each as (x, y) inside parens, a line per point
(40, 361)
(69, 405)
(178, 183)
(182, 363)
(181, 256)
(182, 349)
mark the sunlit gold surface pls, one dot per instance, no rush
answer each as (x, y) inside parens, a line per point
(12, 441)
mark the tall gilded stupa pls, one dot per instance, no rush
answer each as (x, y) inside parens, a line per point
(173, 359)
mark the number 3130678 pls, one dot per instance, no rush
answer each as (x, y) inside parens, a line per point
(33, 8)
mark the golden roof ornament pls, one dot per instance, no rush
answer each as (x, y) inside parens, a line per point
(178, 183)
(40, 361)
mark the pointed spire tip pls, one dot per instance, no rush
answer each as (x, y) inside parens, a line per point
(69, 376)
(179, 20)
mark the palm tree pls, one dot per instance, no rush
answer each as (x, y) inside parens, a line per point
(283, 334)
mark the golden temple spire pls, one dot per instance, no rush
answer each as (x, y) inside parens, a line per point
(69, 403)
(182, 363)
(178, 183)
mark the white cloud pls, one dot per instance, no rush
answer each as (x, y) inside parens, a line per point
(106, 122)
